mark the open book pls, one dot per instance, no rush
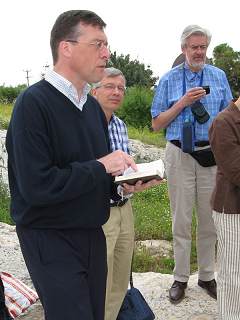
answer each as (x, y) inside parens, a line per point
(146, 172)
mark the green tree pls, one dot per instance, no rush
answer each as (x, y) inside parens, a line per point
(225, 58)
(136, 73)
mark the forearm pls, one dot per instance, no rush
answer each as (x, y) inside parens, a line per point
(166, 117)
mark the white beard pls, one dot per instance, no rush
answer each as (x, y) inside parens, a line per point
(197, 64)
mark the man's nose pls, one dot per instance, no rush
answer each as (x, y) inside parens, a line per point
(116, 90)
(105, 53)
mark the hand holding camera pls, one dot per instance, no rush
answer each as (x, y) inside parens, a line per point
(207, 89)
(199, 111)
(193, 95)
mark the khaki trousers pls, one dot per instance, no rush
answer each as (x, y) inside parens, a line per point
(119, 233)
(190, 185)
(228, 256)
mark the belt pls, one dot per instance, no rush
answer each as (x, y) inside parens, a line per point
(119, 203)
(177, 143)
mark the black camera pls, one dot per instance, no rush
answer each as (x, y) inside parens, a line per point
(200, 113)
(207, 89)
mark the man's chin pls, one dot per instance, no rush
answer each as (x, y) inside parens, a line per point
(98, 76)
(198, 65)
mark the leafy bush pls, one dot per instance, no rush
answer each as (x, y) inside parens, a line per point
(9, 94)
(5, 115)
(135, 110)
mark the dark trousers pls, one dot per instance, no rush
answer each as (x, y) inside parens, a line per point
(68, 269)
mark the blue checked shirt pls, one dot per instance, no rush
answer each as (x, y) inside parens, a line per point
(170, 90)
(118, 137)
(118, 134)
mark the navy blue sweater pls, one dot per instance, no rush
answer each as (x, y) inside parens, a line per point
(54, 178)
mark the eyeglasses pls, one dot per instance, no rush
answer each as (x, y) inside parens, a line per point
(112, 87)
(201, 47)
(99, 44)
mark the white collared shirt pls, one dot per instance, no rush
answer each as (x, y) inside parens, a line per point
(67, 88)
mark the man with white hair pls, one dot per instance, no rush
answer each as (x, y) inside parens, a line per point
(184, 106)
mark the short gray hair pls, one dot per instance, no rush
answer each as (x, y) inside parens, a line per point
(194, 29)
(111, 73)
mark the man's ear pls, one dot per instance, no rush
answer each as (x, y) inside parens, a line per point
(94, 92)
(183, 49)
(65, 48)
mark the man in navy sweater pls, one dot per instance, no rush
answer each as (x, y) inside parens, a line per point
(61, 173)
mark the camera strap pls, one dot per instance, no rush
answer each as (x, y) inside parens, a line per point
(188, 135)
(186, 115)
(184, 89)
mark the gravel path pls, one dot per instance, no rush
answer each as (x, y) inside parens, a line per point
(154, 286)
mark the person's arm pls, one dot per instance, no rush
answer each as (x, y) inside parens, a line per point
(226, 148)
(34, 158)
(161, 119)
(227, 98)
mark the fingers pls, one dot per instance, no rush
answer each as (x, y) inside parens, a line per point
(117, 173)
(129, 162)
(193, 95)
(141, 186)
(117, 161)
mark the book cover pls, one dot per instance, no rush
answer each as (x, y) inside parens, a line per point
(146, 172)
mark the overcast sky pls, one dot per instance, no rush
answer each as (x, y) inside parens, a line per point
(147, 30)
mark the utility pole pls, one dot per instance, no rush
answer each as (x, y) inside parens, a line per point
(27, 76)
(45, 67)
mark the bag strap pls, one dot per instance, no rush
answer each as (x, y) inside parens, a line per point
(131, 276)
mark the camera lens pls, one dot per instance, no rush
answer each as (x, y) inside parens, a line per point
(200, 113)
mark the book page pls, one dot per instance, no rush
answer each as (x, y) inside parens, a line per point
(157, 165)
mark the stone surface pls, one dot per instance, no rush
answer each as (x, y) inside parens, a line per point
(154, 286)
(144, 153)
(161, 248)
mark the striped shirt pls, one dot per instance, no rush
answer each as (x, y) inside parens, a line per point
(68, 89)
(170, 90)
(118, 134)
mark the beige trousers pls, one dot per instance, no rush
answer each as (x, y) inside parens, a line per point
(190, 186)
(119, 232)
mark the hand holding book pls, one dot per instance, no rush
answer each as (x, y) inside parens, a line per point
(146, 172)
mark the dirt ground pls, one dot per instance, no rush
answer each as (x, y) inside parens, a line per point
(34, 313)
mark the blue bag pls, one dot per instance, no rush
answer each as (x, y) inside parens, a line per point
(134, 306)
